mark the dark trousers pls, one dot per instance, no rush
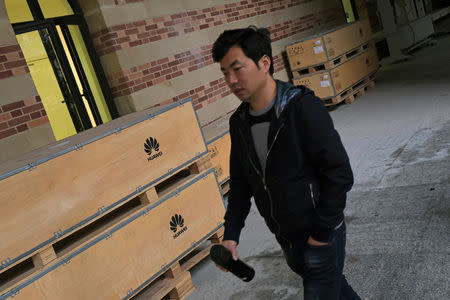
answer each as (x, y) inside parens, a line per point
(321, 268)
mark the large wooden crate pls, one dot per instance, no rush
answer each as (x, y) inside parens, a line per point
(218, 139)
(128, 255)
(328, 45)
(331, 83)
(219, 149)
(56, 190)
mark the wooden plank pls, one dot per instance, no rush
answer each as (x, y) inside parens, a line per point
(174, 271)
(177, 288)
(44, 257)
(182, 289)
(61, 193)
(353, 93)
(196, 258)
(127, 257)
(225, 187)
(359, 93)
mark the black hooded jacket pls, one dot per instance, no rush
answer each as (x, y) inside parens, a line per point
(307, 176)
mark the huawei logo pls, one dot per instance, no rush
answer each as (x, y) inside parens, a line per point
(176, 222)
(150, 145)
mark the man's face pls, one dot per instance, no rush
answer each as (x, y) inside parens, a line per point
(242, 75)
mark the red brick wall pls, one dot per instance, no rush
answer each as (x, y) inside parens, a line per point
(154, 72)
(21, 115)
(146, 31)
(12, 62)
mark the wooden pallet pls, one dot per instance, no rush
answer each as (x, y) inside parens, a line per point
(176, 282)
(56, 251)
(360, 92)
(225, 186)
(354, 92)
(332, 63)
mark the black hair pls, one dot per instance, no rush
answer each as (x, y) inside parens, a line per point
(254, 42)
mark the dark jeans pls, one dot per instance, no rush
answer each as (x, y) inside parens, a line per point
(321, 268)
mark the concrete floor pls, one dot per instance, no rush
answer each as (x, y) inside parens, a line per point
(398, 243)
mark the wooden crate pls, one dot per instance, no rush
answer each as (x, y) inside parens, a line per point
(328, 65)
(354, 92)
(128, 255)
(218, 139)
(331, 83)
(328, 45)
(176, 281)
(219, 150)
(58, 250)
(54, 191)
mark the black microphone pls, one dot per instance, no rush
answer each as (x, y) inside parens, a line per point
(221, 256)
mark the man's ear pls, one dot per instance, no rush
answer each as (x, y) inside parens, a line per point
(264, 63)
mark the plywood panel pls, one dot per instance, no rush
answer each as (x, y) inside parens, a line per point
(354, 70)
(219, 151)
(330, 83)
(320, 48)
(349, 37)
(306, 53)
(135, 252)
(65, 190)
(219, 146)
(320, 83)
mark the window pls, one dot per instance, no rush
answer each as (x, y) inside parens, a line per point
(68, 76)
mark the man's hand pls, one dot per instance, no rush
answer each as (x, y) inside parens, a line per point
(313, 242)
(231, 246)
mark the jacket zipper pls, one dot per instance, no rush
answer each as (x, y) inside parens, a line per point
(263, 179)
(312, 195)
(267, 188)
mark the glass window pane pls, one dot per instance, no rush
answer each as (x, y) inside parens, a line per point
(18, 11)
(90, 73)
(46, 83)
(55, 8)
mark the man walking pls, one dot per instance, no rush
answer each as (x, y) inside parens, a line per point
(285, 153)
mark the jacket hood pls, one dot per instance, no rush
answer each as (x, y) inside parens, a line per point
(285, 92)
